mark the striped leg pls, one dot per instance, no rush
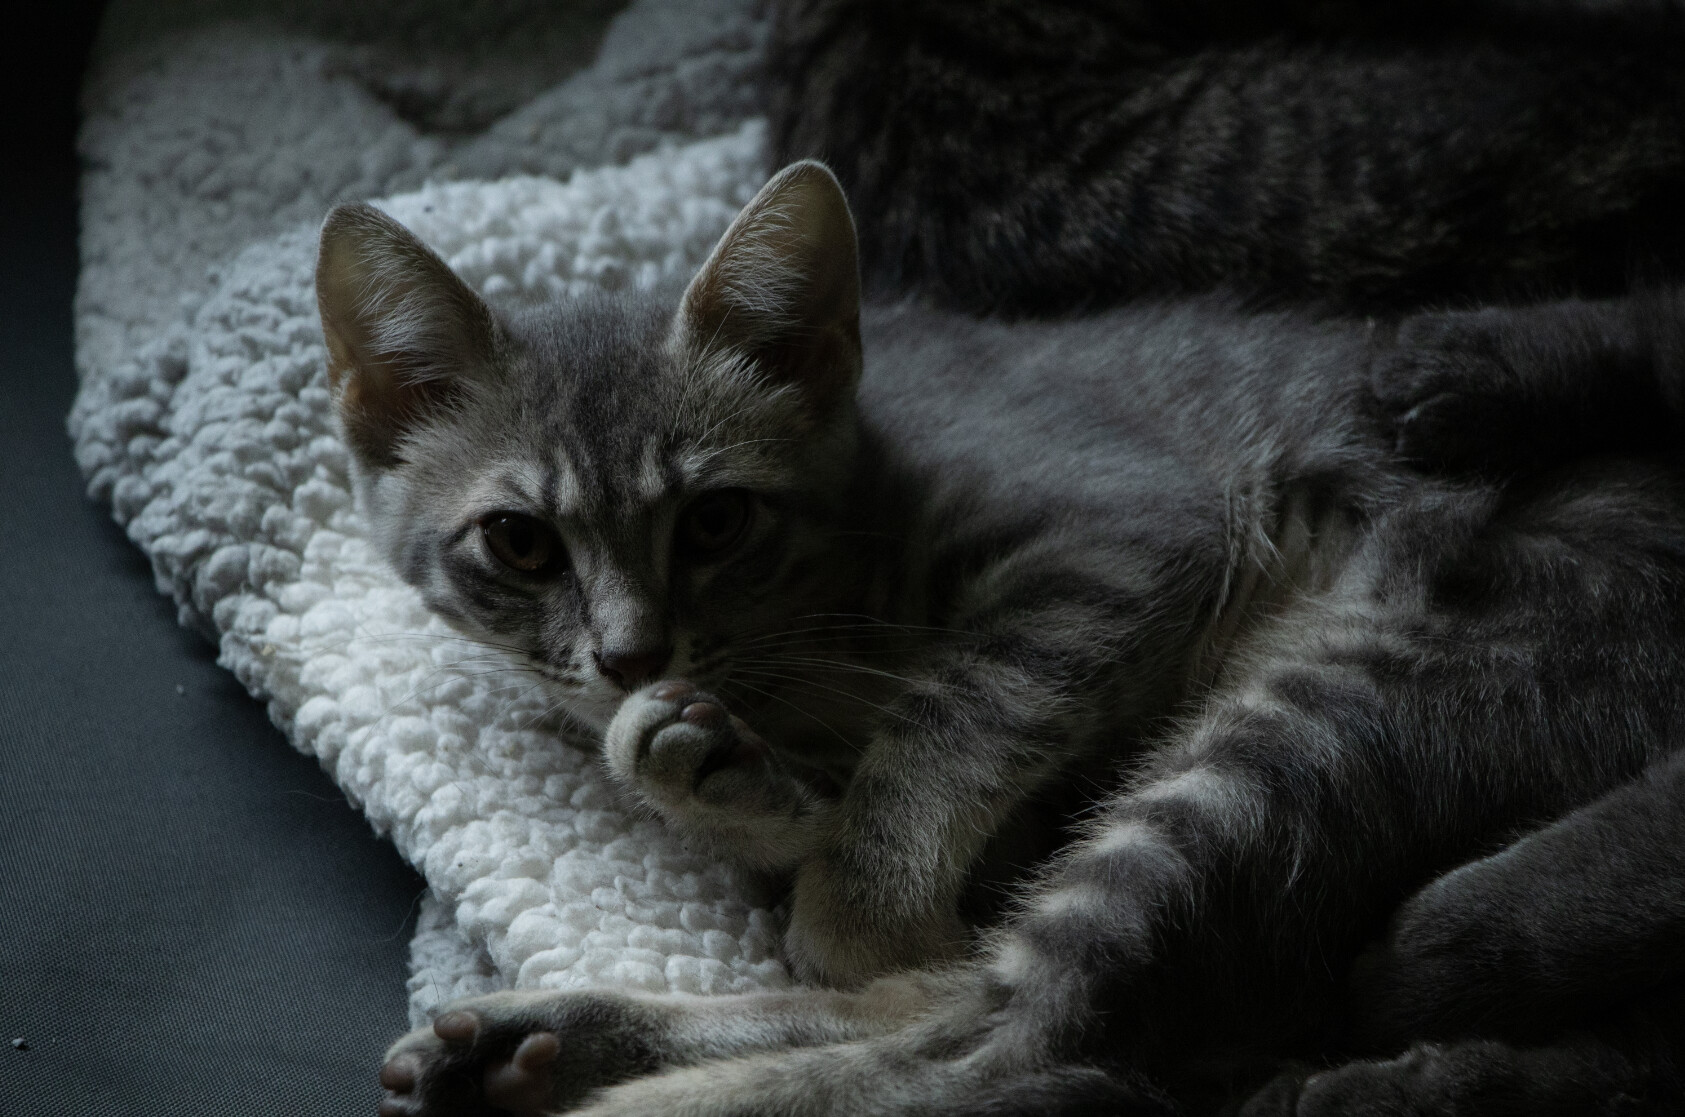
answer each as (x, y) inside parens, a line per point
(541, 1050)
(1221, 862)
(1205, 906)
(1404, 721)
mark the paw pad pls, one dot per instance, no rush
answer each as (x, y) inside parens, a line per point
(526, 1082)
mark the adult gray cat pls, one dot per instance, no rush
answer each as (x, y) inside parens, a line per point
(1043, 155)
(983, 570)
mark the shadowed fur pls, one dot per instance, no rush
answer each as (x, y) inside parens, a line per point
(1040, 156)
(1162, 568)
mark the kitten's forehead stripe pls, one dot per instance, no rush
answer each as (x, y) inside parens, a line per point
(562, 483)
(653, 477)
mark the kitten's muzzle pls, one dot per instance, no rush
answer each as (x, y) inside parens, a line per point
(630, 670)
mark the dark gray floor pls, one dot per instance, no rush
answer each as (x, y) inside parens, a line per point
(192, 919)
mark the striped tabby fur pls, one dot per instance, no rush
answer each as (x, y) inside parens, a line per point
(1044, 155)
(1163, 569)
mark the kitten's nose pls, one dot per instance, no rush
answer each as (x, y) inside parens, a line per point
(632, 669)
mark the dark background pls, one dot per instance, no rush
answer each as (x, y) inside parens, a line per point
(192, 918)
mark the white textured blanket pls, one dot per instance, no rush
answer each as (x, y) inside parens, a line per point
(204, 418)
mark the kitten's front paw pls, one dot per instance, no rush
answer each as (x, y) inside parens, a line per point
(525, 1052)
(710, 775)
(676, 744)
(1446, 394)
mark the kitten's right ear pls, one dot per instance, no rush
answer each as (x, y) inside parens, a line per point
(404, 333)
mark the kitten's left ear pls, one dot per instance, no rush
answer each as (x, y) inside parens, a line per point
(782, 288)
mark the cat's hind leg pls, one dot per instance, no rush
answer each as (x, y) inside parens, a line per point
(876, 1078)
(542, 1050)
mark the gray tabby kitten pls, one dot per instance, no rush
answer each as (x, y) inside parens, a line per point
(855, 594)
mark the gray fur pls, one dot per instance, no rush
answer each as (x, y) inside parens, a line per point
(1034, 156)
(1165, 557)
(1512, 390)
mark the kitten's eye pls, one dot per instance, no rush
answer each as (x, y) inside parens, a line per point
(714, 522)
(521, 542)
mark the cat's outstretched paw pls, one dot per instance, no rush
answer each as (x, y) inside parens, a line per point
(529, 1052)
(1447, 394)
(418, 1085)
(710, 775)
